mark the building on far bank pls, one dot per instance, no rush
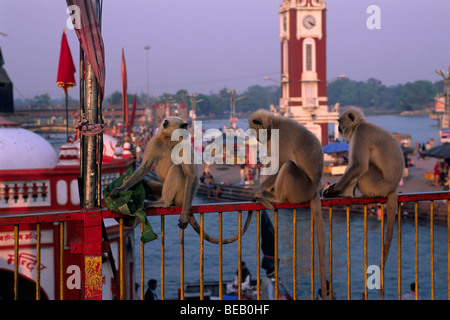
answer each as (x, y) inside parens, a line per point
(303, 66)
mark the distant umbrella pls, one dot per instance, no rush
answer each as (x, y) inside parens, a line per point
(335, 147)
(442, 151)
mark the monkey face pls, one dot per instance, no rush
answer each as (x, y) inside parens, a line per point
(261, 119)
(170, 124)
(347, 123)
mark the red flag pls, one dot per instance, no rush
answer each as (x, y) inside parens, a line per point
(66, 68)
(133, 112)
(124, 90)
(88, 32)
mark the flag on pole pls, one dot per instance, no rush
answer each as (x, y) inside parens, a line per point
(66, 68)
(133, 113)
(124, 91)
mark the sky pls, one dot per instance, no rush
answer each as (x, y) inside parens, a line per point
(205, 45)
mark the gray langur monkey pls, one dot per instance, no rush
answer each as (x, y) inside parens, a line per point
(180, 181)
(376, 165)
(299, 175)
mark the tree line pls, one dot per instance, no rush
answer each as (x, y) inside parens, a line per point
(372, 95)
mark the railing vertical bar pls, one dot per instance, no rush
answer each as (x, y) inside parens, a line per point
(121, 262)
(162, 255)
(181, 264)
(330, 250)
(365, 252)
(142, 265)
(61, 260)
(16, 262)
(399, 237)
(294, 253)
(312, 255)
(416, 249)
(221, 258)
(348, 251)
(275, 251)
(239, 255)
(258, 254)
(448, 250)
(38, 261)
(432, 247)
(202, 253)
(382, 250)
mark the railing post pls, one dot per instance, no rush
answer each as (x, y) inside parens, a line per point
(92, 254)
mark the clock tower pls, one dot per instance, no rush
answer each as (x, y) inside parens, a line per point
(303, 66)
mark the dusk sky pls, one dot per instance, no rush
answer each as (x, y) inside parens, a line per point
(206, 45)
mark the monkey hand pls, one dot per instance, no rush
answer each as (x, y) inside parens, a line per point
(115, 192)
(183, 221)
(330, 192)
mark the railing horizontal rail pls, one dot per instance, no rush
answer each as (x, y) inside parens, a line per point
(57, 216)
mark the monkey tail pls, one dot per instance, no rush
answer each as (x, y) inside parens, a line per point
(391, 207)
(212, 239)
(316, 209)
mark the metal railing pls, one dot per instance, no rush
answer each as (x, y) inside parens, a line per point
(91, 225)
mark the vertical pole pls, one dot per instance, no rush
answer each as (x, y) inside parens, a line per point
(275, 251)
(294, 254)
(61, 261)
(16, 262)
(365, 251)
(91, 181)
(312, 255)
(38, 261)
(330, 249)
(163, 249)
(181, 264)
(67, 116)
(399, 272)
(91, 114)
(221, 258)
(348, 252)
(258, 254)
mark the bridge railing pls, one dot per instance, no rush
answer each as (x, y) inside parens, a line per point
(93, 246)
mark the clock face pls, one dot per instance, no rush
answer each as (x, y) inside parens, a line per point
(309, 21)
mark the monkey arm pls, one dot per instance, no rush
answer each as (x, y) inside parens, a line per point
(190, 189)
(359, 165)
(140, 172)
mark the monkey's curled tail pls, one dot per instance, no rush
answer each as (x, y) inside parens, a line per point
(212, 239)
(316, 209)
(391, 207)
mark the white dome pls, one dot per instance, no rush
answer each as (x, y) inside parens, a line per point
(23, 149)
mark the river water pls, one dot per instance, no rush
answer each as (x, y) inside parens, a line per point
(421, 129)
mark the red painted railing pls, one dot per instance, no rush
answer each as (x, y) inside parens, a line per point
(93, 246)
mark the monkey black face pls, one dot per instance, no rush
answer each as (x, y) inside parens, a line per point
(257, 122)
